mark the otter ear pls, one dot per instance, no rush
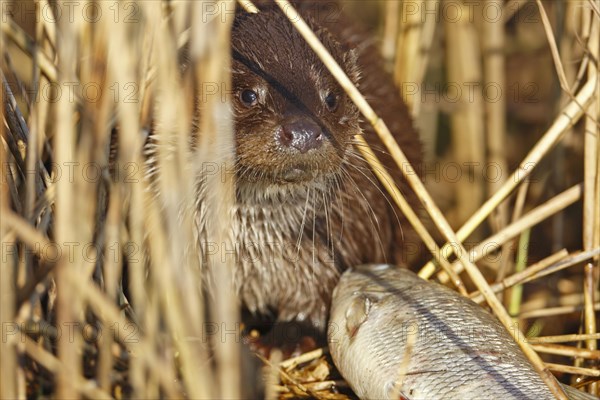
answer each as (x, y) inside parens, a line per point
(350, 61)
(345, 56)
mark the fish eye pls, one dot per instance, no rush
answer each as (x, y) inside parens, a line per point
(249, 97)
(331, 100)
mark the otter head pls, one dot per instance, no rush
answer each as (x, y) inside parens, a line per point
(293, 121)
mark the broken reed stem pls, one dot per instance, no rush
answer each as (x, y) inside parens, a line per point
(571, 113)
(416, 184)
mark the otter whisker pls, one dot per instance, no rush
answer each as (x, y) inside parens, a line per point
(370, 212)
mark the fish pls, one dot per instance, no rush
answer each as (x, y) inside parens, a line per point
(393, 335)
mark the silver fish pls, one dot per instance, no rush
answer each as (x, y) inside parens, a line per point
(456, 349)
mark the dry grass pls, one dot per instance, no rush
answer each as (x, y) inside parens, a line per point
(78, 215)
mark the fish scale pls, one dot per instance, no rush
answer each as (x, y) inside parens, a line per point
(459, 350)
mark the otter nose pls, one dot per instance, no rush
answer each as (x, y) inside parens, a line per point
(301, 134)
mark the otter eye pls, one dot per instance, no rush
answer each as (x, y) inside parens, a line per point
(331, 100)
(249, 97)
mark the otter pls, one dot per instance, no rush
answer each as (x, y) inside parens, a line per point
(307, 205)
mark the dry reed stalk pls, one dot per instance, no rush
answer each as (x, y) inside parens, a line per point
(8, 361)
(560, 70)
(417, 186)
(467, 122)
(570, 298)
(573, 370)
(112, 274)
(558, 157)
(567, 52)
(272, 375)
(68, 305)
(415, 34)
(390, 35)
(407, 52)
(425, 47)
(33, 149)
(175, 268)
(591, 197)
(406, 44)
(426, 114)
(248, 6)
(564, 338)
(293, 362)
(48, 26)
(120, 72)
(493, 43)
(217, 148)
(554, 311)
(567, 351)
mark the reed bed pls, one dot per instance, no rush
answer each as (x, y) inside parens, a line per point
(102, 281)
